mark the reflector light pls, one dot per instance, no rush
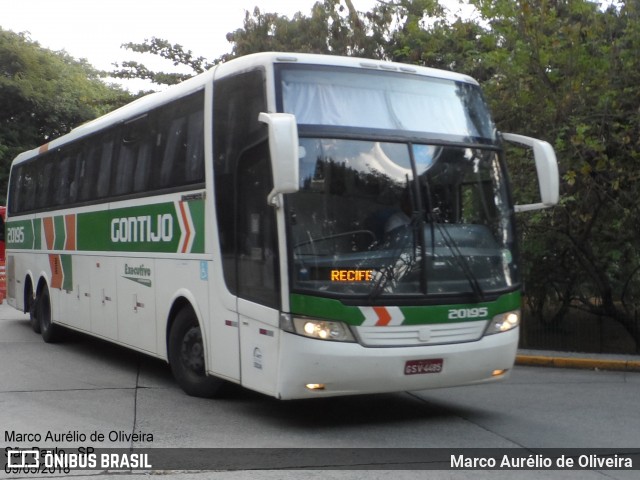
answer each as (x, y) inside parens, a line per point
(315, 386)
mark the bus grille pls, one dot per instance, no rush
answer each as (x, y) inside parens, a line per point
(415, 335)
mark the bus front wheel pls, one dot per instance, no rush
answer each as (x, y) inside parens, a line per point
(186, 357)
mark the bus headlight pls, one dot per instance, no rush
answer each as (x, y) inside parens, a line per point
(503, 322)
(322, 329)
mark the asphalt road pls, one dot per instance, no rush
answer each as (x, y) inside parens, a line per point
(86, 387)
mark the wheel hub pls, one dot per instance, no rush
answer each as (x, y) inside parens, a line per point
(192, 351)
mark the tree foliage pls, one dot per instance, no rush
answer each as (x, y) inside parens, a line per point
(174, 53)
(567, 71)
(43, 95)
(334, 27)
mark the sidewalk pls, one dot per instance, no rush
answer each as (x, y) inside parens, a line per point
(593, 361)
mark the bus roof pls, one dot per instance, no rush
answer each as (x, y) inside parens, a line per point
(144, 104)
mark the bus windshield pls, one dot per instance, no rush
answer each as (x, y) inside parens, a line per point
(423, 213)
(378, 218)
(385, 100)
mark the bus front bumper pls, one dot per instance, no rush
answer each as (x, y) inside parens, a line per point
(315, 368)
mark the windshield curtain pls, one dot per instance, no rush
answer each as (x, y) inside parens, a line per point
(385, 100)
(401, 219)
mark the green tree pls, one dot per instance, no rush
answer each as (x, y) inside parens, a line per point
(174, 53)
(333, 27)
(567, 71)
(43, 95)
(427, 37)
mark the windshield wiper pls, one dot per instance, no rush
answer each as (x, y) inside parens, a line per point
(403, 262)
(457, 254)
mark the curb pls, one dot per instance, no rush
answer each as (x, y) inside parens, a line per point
(585, 363)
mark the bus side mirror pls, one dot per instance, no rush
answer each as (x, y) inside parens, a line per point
(546, 167)
(283, 146)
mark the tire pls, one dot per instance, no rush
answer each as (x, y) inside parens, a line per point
(51, 333)
(186, 357)
(32, 308)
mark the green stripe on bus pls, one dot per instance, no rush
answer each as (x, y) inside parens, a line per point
(332, 309)
(60, 234)
(197, 215)
(19, 235)
(147, 228)
(37, 234)
(328, 308)
(67, 272)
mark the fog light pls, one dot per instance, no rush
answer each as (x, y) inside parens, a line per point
(498, 373)
(315, 386)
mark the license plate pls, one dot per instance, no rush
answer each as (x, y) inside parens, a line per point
(418, 367)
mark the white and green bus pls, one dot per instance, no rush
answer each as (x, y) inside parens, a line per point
(301, 225)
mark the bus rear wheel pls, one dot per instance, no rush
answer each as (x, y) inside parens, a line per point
(31, 307)
(186, 357)
(51, 333)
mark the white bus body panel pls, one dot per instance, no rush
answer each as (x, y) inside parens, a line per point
(136, 305)
(75, 305)
(349, 368)
(104, 302)
(260, 336)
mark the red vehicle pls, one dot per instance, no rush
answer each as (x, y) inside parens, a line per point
(3, 272)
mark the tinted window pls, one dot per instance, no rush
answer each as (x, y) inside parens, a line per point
(181, 140)
(134, 156)
(242, 176)
(156, 151)
(257, 241)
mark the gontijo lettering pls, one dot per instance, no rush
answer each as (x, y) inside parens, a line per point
(351, 275)
(144, 228)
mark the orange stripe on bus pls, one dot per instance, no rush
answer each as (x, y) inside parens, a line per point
(56, 271)
(49, 232)
(383, 316)
(186, 226)
(70, 226)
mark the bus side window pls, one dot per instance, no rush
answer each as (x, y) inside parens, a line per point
(65, 187)
(142, 177)
(173, 152)
(88, 169)
(103, 180)
(93, 172)
(182, 156)
(16, 201)
(29, 178)
(44, 179)
(133, 154)
(194, 161)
